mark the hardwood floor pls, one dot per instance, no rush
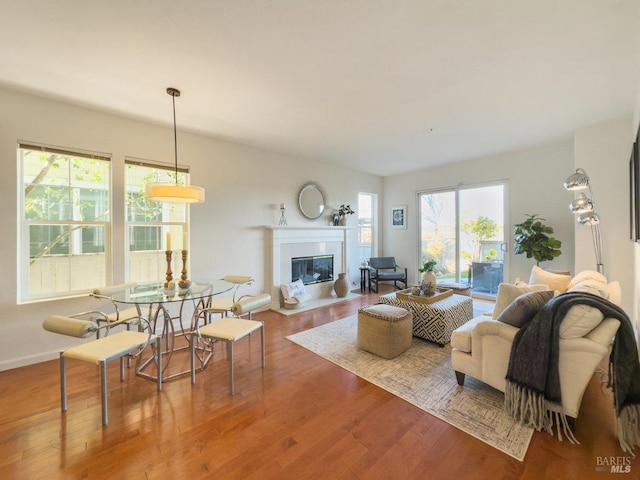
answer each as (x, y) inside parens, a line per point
(301, 417)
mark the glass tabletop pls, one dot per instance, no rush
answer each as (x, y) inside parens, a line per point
(146, 293)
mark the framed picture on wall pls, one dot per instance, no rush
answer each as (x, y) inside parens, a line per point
(399, 216)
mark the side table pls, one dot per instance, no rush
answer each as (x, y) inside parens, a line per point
(365, 278)
(436, 321)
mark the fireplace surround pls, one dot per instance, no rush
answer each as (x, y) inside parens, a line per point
(283, 243)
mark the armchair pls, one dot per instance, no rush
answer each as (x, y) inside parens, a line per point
(481, 348)
(384, 269)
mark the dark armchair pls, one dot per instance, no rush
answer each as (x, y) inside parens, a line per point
(384, 269)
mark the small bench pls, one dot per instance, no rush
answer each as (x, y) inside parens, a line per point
(384, 330)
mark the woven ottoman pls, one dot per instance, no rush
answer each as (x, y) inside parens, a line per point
(384, 330)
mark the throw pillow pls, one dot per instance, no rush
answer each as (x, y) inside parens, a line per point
(507, 293)
(587, 275)
(293, 289)
(524, 308)
(555, 281)
(591, 286)
(580, 320)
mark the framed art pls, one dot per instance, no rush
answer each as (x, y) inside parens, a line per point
(399, 216)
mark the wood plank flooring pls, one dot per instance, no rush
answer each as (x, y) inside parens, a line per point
(300, 418)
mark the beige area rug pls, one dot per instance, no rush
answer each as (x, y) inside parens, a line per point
(423, 377)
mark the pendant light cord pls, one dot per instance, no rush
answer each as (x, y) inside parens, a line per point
(175, 136)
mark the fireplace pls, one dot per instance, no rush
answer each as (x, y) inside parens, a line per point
(284, 243)
(312, 269)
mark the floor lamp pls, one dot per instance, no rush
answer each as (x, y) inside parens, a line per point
(584, 208)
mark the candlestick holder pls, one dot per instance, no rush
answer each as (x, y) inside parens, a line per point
(184, 282)
(169, 284)
(283, 220)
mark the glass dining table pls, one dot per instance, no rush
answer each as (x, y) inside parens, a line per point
(167, 311)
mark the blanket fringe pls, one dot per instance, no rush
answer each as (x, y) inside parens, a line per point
(629, 428)
(532, 409)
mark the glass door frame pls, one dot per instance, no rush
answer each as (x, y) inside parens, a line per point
(456, 190)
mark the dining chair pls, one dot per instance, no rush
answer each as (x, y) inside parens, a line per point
(130, 314)
(101, 351)
(222, 305)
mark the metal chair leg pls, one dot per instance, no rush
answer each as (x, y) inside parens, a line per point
(230, 350)
(63, 382)
(104, 392)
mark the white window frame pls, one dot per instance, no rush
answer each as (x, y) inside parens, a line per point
(24, 224)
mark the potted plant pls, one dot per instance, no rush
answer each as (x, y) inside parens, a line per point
(343, 211)
(532, 238)
(428, 273)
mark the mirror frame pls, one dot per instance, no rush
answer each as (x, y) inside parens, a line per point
(309, 187)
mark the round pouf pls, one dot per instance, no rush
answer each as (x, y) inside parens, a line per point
(341, 285)
(384, 330)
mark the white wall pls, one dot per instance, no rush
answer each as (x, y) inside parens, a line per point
(535, 177)
(603, 151)
(244, 185)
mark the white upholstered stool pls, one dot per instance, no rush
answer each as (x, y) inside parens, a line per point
(100, 352)
(228, 330)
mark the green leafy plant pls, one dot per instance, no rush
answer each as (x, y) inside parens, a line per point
(345, 210)
(428, 266)
(532, 238)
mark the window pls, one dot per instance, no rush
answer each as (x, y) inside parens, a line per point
(64, 228)
(149, 222)
(366, 225)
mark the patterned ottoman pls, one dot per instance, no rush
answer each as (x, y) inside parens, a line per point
(436, 321)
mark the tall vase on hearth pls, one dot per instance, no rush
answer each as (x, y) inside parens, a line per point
(341, 285)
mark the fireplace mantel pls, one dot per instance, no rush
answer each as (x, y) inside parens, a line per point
(284, 242)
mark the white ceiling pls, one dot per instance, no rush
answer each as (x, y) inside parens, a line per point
(381, 86)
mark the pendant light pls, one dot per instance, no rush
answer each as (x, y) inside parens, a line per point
(174, 192)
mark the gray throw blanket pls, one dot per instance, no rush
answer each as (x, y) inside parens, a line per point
(533, 394)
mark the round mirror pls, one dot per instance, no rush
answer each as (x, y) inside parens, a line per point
(311, 201)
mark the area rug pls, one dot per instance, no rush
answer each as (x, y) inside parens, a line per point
(423, 377)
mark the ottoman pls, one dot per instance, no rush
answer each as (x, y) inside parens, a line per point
(384, 330)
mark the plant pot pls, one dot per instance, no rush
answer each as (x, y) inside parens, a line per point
(341, 285)
(429, 277)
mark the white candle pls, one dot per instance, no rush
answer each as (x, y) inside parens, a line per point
(282, 206)
(184, 241)
(168, 240)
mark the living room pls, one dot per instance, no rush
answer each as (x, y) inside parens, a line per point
(246, 184)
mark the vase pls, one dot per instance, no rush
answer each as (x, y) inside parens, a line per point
(341, 285)
(429, 278)
(343, 221)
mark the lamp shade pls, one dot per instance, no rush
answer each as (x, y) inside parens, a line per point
(588, 219)
(581, 204)
(577, 181)
(174, 193)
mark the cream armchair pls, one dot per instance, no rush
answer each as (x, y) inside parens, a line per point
(481, 348)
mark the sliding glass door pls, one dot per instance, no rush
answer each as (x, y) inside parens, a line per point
(463, 230)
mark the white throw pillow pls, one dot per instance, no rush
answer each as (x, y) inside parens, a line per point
(587, 275)
(594, 287)
(555, 281)
(293, 289)
(507, 293)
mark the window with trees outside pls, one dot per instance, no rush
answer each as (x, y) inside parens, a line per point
(366, 225)
(64, 228)
(149, 222)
